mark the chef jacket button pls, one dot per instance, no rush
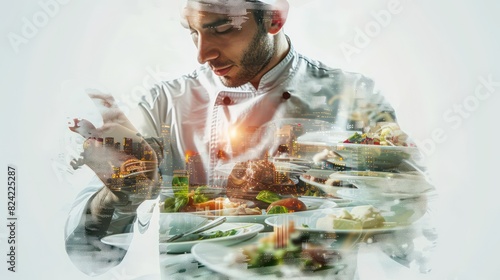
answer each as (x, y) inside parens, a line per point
(286, 95)
(226, 100)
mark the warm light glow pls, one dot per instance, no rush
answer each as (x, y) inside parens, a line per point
(233, 133)
(188, 155)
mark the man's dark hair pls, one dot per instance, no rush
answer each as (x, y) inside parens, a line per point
(259, 12)
(259, 17)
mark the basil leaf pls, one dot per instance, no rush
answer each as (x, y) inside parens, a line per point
(180, 201)
(268, 196)
(169, 205)
(278, 209)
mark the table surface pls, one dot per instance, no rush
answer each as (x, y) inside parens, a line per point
(403, 253)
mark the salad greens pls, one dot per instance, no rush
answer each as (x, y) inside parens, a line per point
(278, 209)
(267, 255)
(312, 259)
(355, 138)
(181, 199)
(218, 233)
(199, 194)
(173, 204)
(268, 196)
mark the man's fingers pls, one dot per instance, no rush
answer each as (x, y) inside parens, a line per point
(109, 110)
(101, 99)
(84, 128)
(105, 103)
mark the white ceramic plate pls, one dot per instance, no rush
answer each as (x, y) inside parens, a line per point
(307, 222)
(368, 195)
(385, 182)
(244, 231)
(224, 262)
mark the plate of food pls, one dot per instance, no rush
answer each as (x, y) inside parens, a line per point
(248, 179)
(254, 191)
(244, 211)
(358, 219)
(284, 206)
(381, 147)
(227, 234)
(282, 254)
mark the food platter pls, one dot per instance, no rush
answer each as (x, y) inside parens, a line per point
(244, 231)
(308, 222)
(312, 203)
(361, 156)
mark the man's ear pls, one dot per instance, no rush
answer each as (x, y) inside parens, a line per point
(279, 15)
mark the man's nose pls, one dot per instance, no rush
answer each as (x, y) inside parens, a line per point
(207, 50)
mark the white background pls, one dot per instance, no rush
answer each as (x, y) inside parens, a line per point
(428, 58)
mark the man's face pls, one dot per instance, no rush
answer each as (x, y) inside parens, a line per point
(235, 47)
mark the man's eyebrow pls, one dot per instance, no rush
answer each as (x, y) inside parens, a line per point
(216, 23)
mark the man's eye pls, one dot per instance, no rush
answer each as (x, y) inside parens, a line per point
(224, 28)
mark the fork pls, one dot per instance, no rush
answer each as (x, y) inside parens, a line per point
(199, 229)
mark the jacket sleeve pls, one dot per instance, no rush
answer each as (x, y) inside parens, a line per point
(82, 233)
(151, 112)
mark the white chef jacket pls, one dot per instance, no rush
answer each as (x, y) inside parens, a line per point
(197, 115)
(215, 122)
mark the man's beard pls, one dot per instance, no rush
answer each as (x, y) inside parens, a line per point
(254, 59)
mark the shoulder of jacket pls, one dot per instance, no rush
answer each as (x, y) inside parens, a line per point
(317, 67)
(199, 78)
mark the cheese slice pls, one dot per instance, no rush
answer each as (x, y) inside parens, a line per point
(331, 222)
(346, 224)
(368, 215)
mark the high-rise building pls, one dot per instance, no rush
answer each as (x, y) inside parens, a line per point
(100, 142)
(166, 165)
(109, 142)
(147, 153)
(127, 145)
(137, 150)
(195, 170)
(283, 138)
